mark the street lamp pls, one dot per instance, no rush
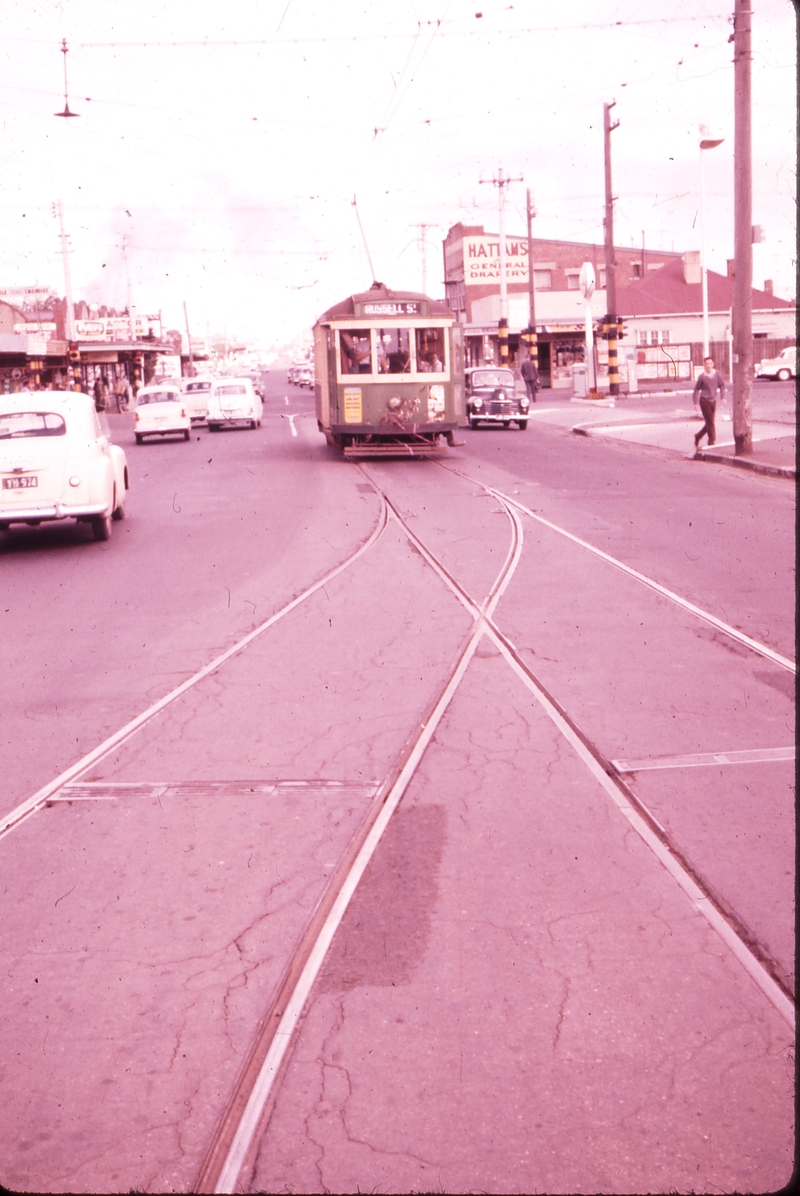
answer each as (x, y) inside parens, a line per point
(706, 143)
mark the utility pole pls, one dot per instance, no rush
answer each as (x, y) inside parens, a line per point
(742, 314)
(502, 324)
(189, 340)
(530, 333)
(423, 250)
(131, 324)
(611, 278)
(69, 321)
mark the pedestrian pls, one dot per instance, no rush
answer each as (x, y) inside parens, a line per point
(530, 376)
(99, 397)
(705, 389)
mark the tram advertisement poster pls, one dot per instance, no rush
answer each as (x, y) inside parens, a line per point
(352, 405)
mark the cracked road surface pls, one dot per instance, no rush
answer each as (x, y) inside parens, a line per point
(519, 996)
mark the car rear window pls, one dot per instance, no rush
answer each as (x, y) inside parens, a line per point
(198, 386)
(493, 378)
(18, 424)
(158, 396)
(231, 390)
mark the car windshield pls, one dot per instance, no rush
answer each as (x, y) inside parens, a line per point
(18, 424)
(493, 378)
(231, 390)
(198, 386)
(158, 396)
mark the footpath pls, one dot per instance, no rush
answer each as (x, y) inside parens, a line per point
(667, 420)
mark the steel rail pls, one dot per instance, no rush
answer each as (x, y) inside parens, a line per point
(248, 1110)
(11, 820)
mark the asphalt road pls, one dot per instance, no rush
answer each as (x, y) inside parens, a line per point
(520, 996)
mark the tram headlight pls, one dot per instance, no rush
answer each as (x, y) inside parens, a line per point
(394, 403)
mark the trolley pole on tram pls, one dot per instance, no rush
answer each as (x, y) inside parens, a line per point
(611, 278)
(502, 324)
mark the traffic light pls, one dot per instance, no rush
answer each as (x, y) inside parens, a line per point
(74, 352)
(622, 329)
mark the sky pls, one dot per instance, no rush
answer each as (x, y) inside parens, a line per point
(220, 146)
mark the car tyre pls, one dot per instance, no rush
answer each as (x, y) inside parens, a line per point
(522, 424)
(119, 510)
(139, 438)
(187, 434)
(506, 423)
(101, 526)
(253, 425)
(473, 423)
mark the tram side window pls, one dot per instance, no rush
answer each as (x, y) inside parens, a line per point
(393, 354)
(355, 351)
(430, 350)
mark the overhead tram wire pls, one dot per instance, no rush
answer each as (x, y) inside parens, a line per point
(361, 37)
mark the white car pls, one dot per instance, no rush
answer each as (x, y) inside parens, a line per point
(783, 367)
(196, 392)
(57, 463)
(233, 401)
(161, 411)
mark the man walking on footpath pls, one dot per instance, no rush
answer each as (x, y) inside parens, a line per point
(530, 376)
(705, 388)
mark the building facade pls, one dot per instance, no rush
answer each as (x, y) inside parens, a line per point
(472, 291)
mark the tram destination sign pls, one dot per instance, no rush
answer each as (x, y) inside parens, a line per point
(408, 307)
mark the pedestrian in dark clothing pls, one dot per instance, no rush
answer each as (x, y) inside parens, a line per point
(530, 376)
(705, 388)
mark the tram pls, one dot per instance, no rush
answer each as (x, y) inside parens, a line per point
(389, 369)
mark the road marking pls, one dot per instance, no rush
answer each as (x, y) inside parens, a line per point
(706, 759)
(291, 419)
(82, 766)
(115, 790)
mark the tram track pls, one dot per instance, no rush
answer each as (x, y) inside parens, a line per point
(249, 1107)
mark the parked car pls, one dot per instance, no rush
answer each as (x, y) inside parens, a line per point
(305, 377)
(492, 397)
(195, 392)
(782, 367)
(233, 401)
(57, 463)
(161, 410)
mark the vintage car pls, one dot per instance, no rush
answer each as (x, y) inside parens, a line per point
(781, 368)
(161, 410)
(57, 463)
(493, 397)
(195, 392)
(233, 401)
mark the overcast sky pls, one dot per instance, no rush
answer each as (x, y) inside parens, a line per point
(224, 142)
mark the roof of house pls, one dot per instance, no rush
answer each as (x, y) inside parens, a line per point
(664, 291)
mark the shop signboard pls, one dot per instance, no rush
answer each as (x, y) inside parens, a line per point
(482, 260)
(117, 328)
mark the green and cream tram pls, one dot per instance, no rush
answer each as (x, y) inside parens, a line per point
(389, 374)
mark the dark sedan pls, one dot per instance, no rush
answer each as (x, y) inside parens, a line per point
(493, 398)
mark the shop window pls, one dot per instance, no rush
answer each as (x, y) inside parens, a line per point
(430, 350)
(355, 351)
(393, 354)
(573, 281)
(543, 280)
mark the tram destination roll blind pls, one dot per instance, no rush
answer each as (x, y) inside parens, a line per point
(408, 308)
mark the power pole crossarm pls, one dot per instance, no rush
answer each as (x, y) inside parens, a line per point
(501, 182)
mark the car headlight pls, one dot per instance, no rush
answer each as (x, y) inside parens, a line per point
(477, 401)
(524, 404)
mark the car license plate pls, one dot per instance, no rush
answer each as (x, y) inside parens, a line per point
(23, 483)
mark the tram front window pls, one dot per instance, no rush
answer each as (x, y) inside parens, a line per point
(393, 354)
(355, 351)
(430, 350)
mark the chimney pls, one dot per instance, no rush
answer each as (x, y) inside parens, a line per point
(768, 286)
(691, 267)
(730, 267)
